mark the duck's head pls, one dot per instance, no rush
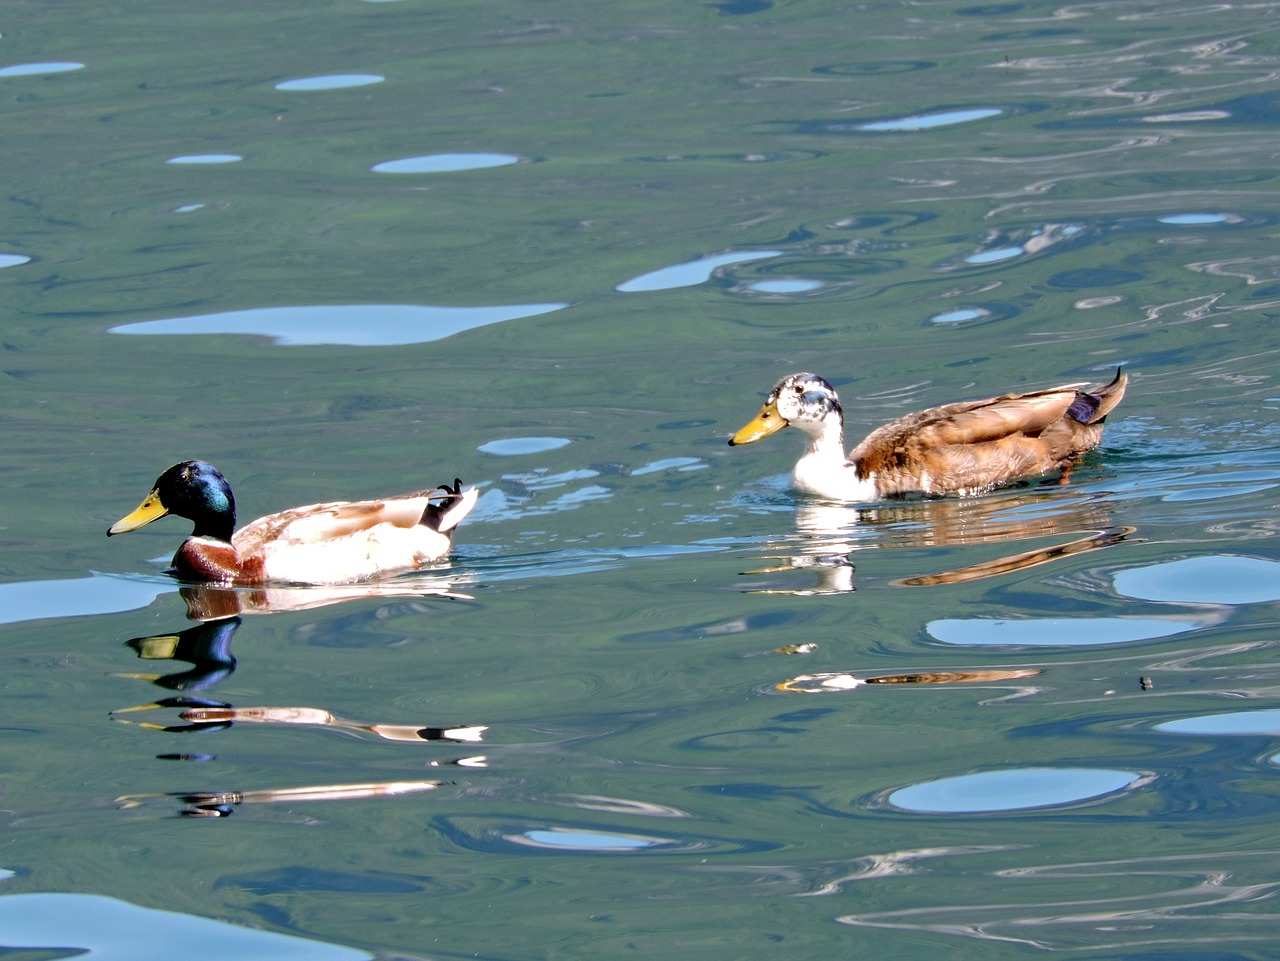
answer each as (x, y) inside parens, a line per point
(803, 400)
(194, 490)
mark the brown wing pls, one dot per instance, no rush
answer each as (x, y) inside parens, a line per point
(974, 422)
(977, 445)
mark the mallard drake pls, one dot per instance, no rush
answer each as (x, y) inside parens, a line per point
(964, 448)
(332, 543)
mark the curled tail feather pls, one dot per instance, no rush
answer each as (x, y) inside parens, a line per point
(447, 513)
(1092, 407)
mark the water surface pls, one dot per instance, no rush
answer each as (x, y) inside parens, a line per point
(599, 241)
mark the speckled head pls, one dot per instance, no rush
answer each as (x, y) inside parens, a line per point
(797, 400)
(805, 397)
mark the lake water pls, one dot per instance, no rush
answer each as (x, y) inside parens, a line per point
(656, 705)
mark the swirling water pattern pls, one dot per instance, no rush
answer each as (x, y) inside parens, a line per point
(1046, 719)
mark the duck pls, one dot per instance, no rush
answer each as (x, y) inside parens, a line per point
(962, 449)
(333, 543)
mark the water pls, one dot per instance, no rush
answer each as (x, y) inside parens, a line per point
(656, 705)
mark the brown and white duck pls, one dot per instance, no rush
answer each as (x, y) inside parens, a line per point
(964, 448)
(333, 543)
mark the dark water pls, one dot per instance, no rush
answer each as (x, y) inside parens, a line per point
(560, 251)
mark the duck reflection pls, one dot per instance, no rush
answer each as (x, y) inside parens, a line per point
(844, 681)
(205, 714)
(215, 804)
(206, 647)
(211, 602)
(829, 534)
(181, 703)
(318, 717)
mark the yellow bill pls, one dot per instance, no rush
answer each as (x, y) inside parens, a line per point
(762, 425)
(149, 510)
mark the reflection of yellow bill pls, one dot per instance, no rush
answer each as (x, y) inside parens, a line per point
(826, 683)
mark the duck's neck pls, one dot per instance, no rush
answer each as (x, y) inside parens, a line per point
(824, 468)
(824, 441)
(217, 527)
(213, 515)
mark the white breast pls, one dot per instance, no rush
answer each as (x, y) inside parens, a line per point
(837, 481)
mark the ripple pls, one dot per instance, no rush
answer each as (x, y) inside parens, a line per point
(77, 597)
(961, 315)
(1188, 905)
(1214, 493)
(974, 314)
(1223, 484)
(994, 256)
(622, 805)
(502, 505)
(764, 157)
(785, 286)
(568, 839)
(103, 927)
(498, 837)
(671, 463)
(1093, 303)
(206, 158)
(1236, 723)
(1196, 219)
(1215, 579)
(445, 163)
(35, 69)
(1059, 631)
(333, 81)
(990, 10)
(871, 67)
(1037, 241)
(12, 260)
(742, 8)
(1187, 116)
(1011, 790)
(362, 325)
(542, 479)
(691, 273)
(929, 121)
(515, 446)
(1092, 277)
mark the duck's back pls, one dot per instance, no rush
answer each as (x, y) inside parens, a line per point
(342, 541)
(974, 446)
